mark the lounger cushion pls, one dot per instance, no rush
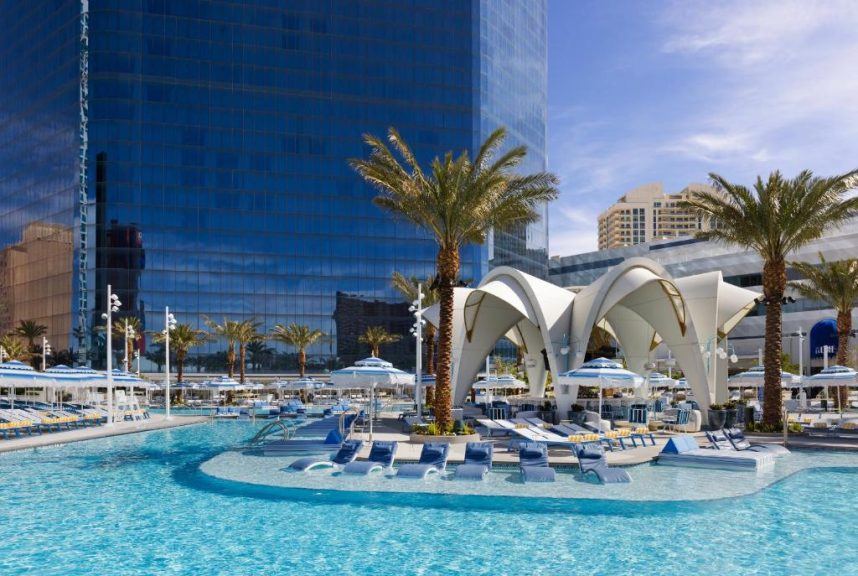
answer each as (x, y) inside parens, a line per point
(304, 464)
(416, 470)
(533, 454)
(537, 474)
(347, 452)
(434, 454)
(363, 467)
(479, 453)
(471, 471)
(612, 475)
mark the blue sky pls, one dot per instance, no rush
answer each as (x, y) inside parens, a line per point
(670, 91)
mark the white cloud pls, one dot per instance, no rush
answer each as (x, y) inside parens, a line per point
(757, 86)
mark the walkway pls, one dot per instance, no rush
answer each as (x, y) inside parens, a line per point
(156, 422)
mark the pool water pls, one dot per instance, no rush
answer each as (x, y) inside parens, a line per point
(138, 504)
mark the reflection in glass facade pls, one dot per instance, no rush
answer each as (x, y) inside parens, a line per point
(216, 143)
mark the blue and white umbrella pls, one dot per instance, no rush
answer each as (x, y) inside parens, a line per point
(299, 384)
(659, 380)
(15, 374)
(502, 382)
(223, 383)
(833, 376)
(602, 373)
(681, 384)
(370, 373)
(755, 377)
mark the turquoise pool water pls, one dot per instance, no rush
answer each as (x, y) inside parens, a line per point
(138, 504)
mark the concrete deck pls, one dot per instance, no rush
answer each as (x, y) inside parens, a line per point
(156, 422)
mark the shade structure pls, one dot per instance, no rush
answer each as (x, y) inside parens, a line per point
(371, 372)
(833, 376)
(63, 376)
(223, 383)
(299, 384)
(681, 384)
(754, 378)
(16, 373)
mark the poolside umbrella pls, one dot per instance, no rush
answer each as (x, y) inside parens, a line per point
(659, 380)
(369, 373)
(222, 383)
(63, 376)
(754, 378)
(834, 376)
(602, 373)
(15, 373)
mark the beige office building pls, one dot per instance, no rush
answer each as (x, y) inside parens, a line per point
(647, 213)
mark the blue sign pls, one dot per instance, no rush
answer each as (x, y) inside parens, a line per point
(823, 333)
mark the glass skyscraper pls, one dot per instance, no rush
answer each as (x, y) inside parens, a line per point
(193, 154)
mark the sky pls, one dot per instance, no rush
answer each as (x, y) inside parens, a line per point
(668, 92)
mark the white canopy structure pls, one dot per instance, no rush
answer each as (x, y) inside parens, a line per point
(502, 382)
(833, 376)
(637, 302)
(755, 376)
(371, 372)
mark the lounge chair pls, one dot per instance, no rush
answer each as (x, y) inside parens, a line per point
(683, 450)
(491, 427)
(738, 441)
(381, 457)
(533, 460)
(433, 458)
(478, 461)
(592, 459)
(347, 453)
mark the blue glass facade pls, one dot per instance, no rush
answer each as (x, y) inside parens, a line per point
(216, 154)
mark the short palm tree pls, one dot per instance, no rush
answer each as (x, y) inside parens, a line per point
(247, 332)
(258, 354)
(376, 336)
(120, 326)
(13, 348)
(458, 201)
(836, 284)
(228, 330)
(182, 338)
(30, 330)
(300, 337)
(778, 217)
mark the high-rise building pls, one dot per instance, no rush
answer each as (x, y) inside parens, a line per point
(196, 151)
(647, 213)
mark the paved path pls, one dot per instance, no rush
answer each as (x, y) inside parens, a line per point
(156, 422)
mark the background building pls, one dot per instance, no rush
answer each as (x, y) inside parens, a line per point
(646, 214)
(196, 151)
(741, 267)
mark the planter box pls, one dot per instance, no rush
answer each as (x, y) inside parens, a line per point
(732, 417)
(717, 419)
(450, 439)
(577, 417)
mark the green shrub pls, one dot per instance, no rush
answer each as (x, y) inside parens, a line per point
(577, 408)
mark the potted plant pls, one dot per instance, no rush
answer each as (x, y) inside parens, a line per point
(717, 416)
(732, 409)
(577, 415)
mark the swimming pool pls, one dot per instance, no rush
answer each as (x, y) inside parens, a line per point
(138, 504)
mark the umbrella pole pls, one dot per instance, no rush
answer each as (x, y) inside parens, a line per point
(371, 408)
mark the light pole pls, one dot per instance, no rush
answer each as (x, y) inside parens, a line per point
(802, 396)
(169, 325)
(46, 351)
(113, 305)
(417, 330)
(130, 334)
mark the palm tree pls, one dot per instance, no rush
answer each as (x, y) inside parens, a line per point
(182, 338)
(777, 218)
(836, 284)
(30, 330)
(228, 331)
(13, 348)
(247, 332)
(407, 287)
(375, 336)
(259, 353)
(300, 337)
(458, 201)
(120, 326)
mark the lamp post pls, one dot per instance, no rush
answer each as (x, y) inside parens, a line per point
(417, 329)
(802, 395)
(112, 306)
(46, 351)
(169, 325)
(130, 334)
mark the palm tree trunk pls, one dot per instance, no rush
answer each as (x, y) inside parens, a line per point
(448, 271)
(844, 328)
(375, 351)
(242, 355)
(180, 371)
(302, 361)
(430, 363)
(774, 284)
(230, 360)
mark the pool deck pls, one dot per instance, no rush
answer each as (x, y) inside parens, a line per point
(156, 422)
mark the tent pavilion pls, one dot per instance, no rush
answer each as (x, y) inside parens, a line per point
(637, 302)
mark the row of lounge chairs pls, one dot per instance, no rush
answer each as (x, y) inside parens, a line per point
(533, 461)
(36, 418)
(568, 434)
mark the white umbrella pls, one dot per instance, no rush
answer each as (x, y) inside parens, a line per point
(754, 378)
(369, 373)
(15, 373)
(834, 376)
(659, 380)
(602, 373)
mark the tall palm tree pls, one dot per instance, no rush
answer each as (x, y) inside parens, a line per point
(182, 338)
(375, 336)
(778, 217)
(13, 348)
(120, 326)
(458, 201)
(407, 287)
(228, 331)
(247, 332)
(300, 337)
(835, 283)
(30, 330)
